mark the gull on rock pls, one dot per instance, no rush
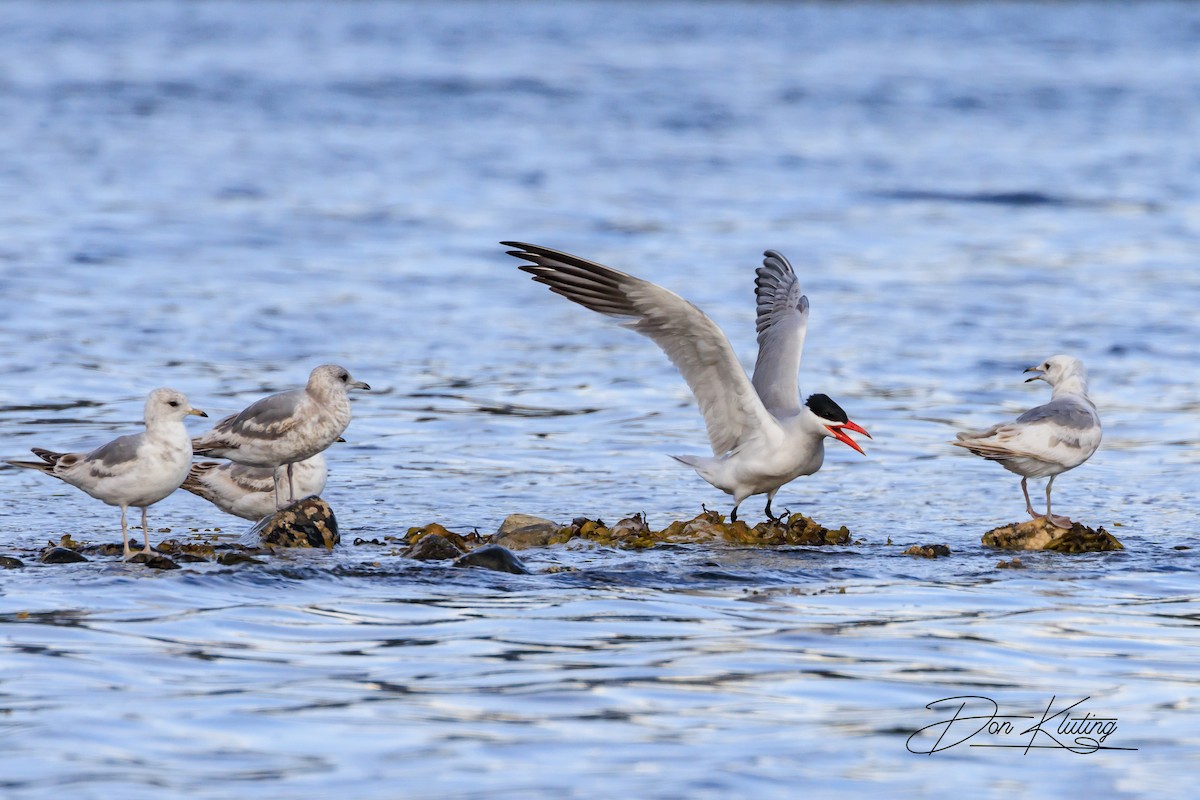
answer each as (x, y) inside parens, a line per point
(762, 437)
(282, 429)
(135, 470)
(1048, 440)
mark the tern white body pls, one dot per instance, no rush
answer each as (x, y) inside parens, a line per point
(762, 437)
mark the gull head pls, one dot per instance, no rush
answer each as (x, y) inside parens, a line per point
(331, 377)
(169, 404)
(833, 420)
(1055, 369)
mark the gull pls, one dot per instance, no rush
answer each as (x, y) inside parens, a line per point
(284, 428)
(1048, 440)
(246, 492)
(135, 470)
(761, 435)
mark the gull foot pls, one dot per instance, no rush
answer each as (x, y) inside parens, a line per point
(1059, 521)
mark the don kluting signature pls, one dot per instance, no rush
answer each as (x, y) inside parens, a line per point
(972, 716)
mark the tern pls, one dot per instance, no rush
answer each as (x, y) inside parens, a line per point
(762, 436)
(135, 470)
(1048, 440)
(284, 428)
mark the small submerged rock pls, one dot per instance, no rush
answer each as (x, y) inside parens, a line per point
(1014, 564)
(8, 562)
(433, 547)
(493, 557)
(61, 555)
(1041, 534)
(305, 523)
(928, 550)
(154, 561)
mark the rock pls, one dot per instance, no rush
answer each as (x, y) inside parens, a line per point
(109, 549)
(433, 547)
(306, 523)
(8, 562)
(61, 555)
(927, 550)
(522, 531)
(1014, 564)
(493, 557)
(709, 526)
(1040, 534)
(154, 561)
(415, 535)
(232, 558)
(516, 522)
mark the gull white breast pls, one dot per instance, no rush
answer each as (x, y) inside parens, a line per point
(1048, 440)
(136, 470)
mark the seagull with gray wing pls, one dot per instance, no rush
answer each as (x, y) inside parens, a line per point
(762, 437)
(281, 429)
(136, 470)
(1048, 440)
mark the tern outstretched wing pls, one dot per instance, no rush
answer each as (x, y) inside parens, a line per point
(733, 410)
(782, 322)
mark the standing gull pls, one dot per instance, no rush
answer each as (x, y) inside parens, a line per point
(284, 428)
(246, 492)
(761, 435)
(1048, 440)
(136, 470)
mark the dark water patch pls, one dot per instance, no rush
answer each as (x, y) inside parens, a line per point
(1015, 199)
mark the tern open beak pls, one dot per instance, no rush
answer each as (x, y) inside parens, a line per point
(197, 412)
(1037, 377)
(839, 433)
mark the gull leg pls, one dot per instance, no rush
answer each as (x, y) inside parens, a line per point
(125, 535)
(275, 478)
(1062, 522)
(146, 534)
(733, 514)
(1028, 505)
(291, 488)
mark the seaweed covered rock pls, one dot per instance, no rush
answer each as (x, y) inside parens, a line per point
(709, 526)
(462, 543)
(1041, 534)
(61, 555)
(433, 547)
(305, 523)
(928, 550)
(521, 531)
(493, 557)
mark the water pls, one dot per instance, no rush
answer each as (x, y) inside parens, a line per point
(217, 197)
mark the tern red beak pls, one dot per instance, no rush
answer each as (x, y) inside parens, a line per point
(839, 433)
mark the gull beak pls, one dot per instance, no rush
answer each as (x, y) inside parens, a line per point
(1040, 375)
(839, 432)
(197, 412)
(358, 385)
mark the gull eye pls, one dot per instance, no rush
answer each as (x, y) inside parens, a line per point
(344, 377)
(174, 404)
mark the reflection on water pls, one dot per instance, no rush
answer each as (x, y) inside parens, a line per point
(218, 197)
